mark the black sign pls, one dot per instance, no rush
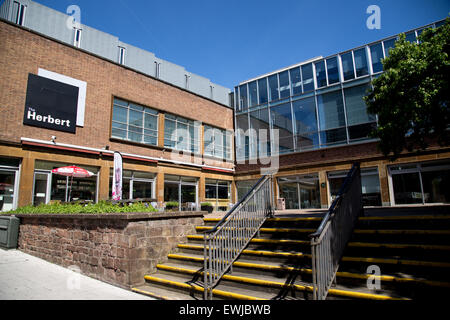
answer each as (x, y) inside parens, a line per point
(50, 104)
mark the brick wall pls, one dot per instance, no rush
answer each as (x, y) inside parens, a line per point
(115, 248)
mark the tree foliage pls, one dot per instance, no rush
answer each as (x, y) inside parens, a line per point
(411, 96)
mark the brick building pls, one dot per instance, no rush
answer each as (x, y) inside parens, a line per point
(120, 107)
(175, 128)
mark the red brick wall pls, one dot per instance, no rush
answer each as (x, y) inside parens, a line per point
(23, 52)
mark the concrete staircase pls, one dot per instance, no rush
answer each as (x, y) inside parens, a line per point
(412, 253)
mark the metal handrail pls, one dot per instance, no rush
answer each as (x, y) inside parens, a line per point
(224, 243)
(331, 237)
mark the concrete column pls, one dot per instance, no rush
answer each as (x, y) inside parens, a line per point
(26, 181)
(323, 186)
(160, 187)
(384, 185)
(201, 188)
(103, 188)
(233, 192)
(161, 130)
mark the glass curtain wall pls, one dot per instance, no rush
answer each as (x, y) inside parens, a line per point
(329, 89)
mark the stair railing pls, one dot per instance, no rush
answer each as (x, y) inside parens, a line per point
(225, 242)
(329, 241)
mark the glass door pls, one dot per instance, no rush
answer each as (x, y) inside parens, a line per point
(7, 189)
(41, 188)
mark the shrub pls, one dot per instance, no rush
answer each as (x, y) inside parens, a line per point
(97, 208)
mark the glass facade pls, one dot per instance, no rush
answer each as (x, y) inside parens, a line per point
(316, 104)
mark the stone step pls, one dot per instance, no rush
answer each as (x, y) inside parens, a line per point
(279, 288)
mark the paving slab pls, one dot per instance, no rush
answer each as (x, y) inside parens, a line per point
(25, 277)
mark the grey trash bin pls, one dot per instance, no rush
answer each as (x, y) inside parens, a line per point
(9, 231)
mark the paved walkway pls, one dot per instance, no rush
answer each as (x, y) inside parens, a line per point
(25, 277)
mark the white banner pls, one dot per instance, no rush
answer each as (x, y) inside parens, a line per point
(117, 177)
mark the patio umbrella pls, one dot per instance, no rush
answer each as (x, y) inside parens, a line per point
(72, 171)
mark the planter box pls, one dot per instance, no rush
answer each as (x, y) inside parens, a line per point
(115, 248)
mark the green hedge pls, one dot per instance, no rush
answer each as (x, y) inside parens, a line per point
(97, 208)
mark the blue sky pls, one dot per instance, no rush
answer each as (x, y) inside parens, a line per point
(235, 40)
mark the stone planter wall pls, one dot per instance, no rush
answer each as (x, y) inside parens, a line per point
(115, 248)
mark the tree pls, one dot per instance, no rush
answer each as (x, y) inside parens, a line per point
(411, 96)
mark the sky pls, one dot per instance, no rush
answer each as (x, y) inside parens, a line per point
(235, 40)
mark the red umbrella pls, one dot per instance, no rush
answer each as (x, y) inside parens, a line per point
(72, 171)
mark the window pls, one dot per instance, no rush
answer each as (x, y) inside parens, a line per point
(360, 62)
(305, 121)
(182, 190)
(332, 70)
(330, 109)
(370, 185)
(135, 184)
(217, 142)
(307, 76)
(421, 183)
(77, 38)
(157, 69)
(19, 13)
(9, 183)
(218, 193)
(242, 138)
(296, 81)
(411, 37)
(121, 55)
(300, 192)
(186, 81)
(260, 137)
(321, 76)
(49, 186)
(284, 85)
(388, 44)
(273, 87)
(356, 106)
(134, 123)
(243, 187)
(243, 101)
(181, 134)
(262, 89)
(376, 53)
(253, 94)
(347, 66)
(282, 121)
